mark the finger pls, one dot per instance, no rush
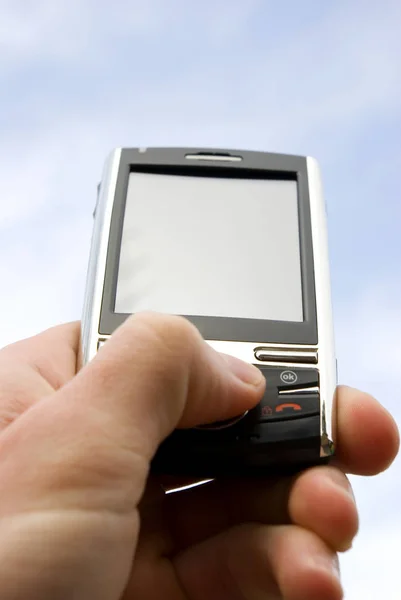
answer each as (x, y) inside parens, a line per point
(21, 387)
(198, 513)
(367, 438)
(257, 561)
(52, 353)
(322, 501)
(34, 368)
(319, 499)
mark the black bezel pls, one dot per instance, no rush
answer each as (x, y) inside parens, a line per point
(253, 165)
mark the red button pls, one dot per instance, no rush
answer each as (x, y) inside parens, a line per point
(291, 405)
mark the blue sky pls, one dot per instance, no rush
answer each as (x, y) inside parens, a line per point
(78, 78)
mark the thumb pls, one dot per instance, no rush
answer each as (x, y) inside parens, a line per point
(156, 373)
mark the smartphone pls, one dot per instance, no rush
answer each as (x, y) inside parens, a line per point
(236, 242)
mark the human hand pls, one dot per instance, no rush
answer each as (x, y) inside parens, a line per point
(82, 519)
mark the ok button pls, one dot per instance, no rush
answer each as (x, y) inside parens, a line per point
(288, 377)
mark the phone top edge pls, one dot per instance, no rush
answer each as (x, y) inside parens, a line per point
(183, 150)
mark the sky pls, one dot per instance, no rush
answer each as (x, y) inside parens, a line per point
(80, 77)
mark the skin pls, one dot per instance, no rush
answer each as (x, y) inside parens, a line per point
(82, 519)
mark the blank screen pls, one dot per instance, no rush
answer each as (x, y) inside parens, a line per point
(218, 247)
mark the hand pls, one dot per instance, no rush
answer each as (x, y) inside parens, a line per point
(81, 519)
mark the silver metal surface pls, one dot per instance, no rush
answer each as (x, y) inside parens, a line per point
(299, 391)
(215, 157)
(326, 359)
(247, 351)
(97, 259)
(292, 356)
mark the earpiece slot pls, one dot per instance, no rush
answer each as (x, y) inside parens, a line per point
(215, 156)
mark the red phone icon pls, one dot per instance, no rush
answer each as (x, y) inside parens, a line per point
(281, 407)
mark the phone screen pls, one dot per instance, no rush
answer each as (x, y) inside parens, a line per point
(210, 246)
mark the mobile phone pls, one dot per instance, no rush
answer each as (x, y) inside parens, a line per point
(236, 242)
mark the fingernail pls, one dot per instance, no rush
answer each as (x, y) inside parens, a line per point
(339, 479)
(244, 371)
(335, 566)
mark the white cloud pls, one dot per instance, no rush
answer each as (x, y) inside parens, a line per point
(64, 29)
(77, 31)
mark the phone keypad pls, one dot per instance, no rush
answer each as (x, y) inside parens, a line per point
(289, 394)
(288, 407)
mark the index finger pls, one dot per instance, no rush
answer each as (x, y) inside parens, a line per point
(52, 353)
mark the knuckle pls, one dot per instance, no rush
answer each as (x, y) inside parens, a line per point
(166, 335)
